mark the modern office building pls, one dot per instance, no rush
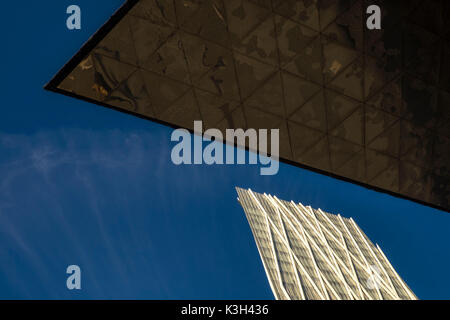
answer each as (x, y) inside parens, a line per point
(367, 106)
(309, 254)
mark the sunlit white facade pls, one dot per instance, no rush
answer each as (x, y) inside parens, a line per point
(310, 254)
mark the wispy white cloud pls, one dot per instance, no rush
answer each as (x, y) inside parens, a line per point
(31, 169)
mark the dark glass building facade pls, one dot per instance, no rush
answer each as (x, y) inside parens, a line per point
(367, 106)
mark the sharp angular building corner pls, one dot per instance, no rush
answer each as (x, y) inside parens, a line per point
(309, 254)
(369, 107)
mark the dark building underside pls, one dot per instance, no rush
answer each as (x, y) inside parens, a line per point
(370, 107)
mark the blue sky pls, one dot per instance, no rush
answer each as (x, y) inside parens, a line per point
(85, 185)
